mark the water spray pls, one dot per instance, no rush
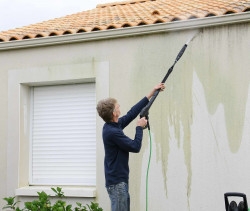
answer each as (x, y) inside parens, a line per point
(145, 110)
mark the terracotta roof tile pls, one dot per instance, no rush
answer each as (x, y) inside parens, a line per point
(127, 14)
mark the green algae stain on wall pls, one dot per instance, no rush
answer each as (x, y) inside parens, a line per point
(223, 70)
(215, 55)
(179, 113)
(176, 112)
(173, 108)
(145, 72)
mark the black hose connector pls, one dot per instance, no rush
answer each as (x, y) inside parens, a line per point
(144, 113)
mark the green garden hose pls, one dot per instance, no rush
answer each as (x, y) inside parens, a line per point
(148, 170)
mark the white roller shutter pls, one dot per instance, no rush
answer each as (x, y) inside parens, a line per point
(63, 148)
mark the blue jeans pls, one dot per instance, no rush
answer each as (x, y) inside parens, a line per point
(119, 196)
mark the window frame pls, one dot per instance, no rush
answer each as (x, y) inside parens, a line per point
(19, 82)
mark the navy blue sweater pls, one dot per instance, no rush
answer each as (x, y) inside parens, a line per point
(117, 145)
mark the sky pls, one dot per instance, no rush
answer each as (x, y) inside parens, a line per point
(18, 13)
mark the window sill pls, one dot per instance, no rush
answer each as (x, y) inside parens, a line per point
(89, 192)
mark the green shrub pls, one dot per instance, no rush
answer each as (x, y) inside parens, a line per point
(43, 204)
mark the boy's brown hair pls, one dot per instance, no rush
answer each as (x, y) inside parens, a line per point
(105, 108)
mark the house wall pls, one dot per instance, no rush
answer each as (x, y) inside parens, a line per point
(200, 125)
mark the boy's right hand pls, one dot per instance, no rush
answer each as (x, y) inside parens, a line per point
(142, 122)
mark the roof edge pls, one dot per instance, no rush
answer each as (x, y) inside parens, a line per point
(115, 3)
(130, 31)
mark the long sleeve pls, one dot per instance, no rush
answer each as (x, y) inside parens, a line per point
(133, 113)
(127, 144)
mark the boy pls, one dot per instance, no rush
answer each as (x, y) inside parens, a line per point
(117, 146)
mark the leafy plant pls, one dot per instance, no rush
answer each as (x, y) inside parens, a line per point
(44, 204)
(58, 192)
(10, 203)
(92, 207)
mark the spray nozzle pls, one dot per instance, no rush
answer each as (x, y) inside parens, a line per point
(191, 39)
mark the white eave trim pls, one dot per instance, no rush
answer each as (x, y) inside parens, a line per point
(125, 32)
(88, 192)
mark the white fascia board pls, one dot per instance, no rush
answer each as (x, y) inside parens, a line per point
(87, 192)
(130, 31)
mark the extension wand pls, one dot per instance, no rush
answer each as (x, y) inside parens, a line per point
(145, 110)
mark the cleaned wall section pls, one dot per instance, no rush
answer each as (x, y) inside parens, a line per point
(200, 124)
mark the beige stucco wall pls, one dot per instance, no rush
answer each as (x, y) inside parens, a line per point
(200, 125)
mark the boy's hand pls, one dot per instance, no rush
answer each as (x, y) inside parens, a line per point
(160, 86)
(142, 122)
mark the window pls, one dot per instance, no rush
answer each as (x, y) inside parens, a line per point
(63, 135)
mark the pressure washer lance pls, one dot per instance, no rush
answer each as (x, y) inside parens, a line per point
(145, 110)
